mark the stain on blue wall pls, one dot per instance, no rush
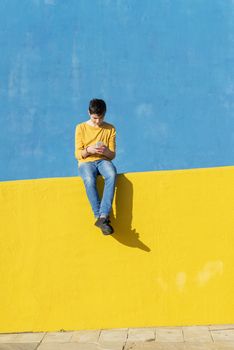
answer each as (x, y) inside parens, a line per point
(165, 69)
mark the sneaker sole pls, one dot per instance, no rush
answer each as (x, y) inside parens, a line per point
(107, 233)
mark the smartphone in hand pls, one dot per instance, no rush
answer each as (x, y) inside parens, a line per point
(99, 144)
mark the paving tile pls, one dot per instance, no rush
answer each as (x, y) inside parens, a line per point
(197, 334)
(165, 334)
(224, 345)
(21, 346)
(83, 346)
(200, 346)
(221, 326)
(67, 346)
(111, 345)
(141, 334)
(7, 338)
(171, 346)
(56, 337)
(223, 335)
(113, 335)
(155, 346)
(29, 337)
(90, 336)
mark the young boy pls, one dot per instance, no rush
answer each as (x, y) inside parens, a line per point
(94, 149)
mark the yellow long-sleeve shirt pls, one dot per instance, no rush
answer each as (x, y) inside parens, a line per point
(87, 135)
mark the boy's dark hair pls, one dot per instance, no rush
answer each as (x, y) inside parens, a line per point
(97, 106)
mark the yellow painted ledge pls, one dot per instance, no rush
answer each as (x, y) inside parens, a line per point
(170, 261)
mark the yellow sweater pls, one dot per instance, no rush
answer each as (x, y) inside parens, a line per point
(87, 135)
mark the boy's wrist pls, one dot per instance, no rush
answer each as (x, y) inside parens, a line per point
(85, 153)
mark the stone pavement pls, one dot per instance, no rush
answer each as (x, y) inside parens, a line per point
(219, 337)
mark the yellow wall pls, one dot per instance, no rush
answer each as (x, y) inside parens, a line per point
(170, 262)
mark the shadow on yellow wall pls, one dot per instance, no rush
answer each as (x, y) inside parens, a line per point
(122, 221)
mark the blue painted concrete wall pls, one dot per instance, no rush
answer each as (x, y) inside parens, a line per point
(164, 67)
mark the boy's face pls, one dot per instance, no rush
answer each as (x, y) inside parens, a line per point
(97, 120)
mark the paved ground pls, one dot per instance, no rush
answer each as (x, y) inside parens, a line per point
(220, 337)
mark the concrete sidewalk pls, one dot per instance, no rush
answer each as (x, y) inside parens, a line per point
(220, 337)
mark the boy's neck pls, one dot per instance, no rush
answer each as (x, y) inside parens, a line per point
(94, 125)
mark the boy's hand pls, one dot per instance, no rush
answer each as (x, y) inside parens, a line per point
(92, 149)
(102, 150)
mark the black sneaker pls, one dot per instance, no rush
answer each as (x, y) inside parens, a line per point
(104, 225)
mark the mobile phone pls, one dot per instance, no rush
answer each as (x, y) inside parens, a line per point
(99, 144)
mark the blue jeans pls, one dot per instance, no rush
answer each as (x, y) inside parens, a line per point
(89, 172)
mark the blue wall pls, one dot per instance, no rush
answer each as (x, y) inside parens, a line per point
(164, 67)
